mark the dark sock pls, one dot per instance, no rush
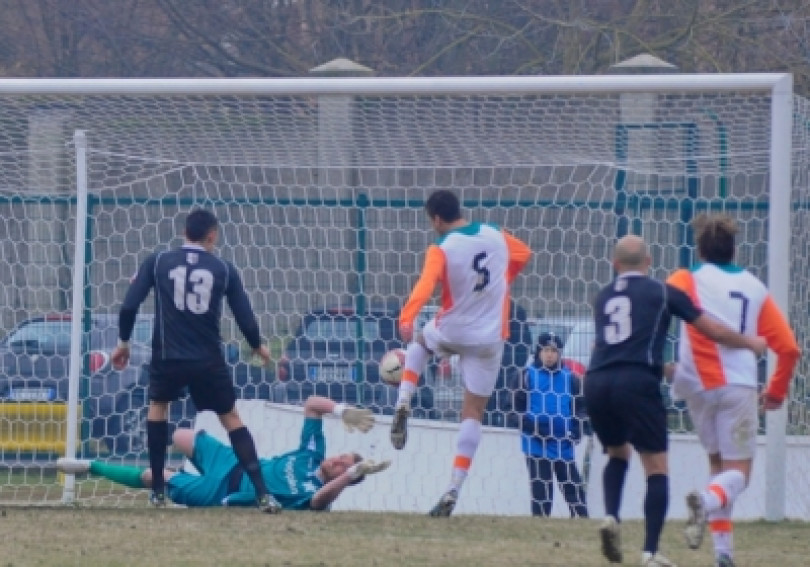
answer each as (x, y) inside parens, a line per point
(613, 483)
(245, 449)
(157, 434)
(122, 474)
(656, 503)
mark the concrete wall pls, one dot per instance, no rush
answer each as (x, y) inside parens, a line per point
(498, 483)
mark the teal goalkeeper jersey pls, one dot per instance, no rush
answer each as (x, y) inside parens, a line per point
(291, 477)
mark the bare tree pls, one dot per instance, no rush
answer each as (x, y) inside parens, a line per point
(273, 38)
(86, 38)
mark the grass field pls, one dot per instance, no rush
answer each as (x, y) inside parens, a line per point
(107, 537)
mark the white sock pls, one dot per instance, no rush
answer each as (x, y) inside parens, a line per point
(722, 531)
(416, 357)
(457, 479)
(467, 441)
(723, 490)
(406, 392)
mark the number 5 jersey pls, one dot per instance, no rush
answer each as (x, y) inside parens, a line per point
(474, 265)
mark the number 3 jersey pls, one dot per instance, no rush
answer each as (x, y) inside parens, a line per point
(474, 265)
(632, 316)
(190, 284)
(738, 299)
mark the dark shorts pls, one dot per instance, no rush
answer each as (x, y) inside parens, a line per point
(625, 405)
(209, 383)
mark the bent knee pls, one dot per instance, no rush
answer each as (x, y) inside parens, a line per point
(183, 439)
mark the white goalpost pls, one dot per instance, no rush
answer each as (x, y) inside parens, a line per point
(319, 185)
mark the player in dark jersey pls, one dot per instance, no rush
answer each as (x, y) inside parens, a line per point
(622, 386)
(189, 285)
(302, 479)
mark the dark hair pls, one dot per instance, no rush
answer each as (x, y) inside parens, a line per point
(199, 223)
(715, 238)
(550, 339)
(443, 204)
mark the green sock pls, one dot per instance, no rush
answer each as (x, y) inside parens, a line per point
(128, 476)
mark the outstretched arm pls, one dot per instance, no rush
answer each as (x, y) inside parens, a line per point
(353, 418)
(329, 492)
(724, 335)
(332, 489)
(318, 406)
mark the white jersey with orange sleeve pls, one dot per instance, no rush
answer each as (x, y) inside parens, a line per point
(474, 264)
(737, 298)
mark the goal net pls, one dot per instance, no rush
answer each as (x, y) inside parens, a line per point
(319, 185)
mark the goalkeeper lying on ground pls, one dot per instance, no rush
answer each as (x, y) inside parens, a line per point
(303, 479)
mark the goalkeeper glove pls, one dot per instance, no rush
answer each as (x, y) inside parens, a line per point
(366, 467)
(354, 418)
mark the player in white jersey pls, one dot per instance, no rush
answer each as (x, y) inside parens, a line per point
(474, 264)
(720, 384)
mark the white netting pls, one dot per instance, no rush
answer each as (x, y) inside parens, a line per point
(320, 200)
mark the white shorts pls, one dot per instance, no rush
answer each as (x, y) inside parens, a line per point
(479, 364)
(726, 420)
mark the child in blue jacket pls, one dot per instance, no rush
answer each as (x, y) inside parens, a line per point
(551, 424)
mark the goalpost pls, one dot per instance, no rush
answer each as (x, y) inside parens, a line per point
(319, 186)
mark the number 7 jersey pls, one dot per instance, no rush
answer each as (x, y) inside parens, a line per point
(474, 265)
(741, 301)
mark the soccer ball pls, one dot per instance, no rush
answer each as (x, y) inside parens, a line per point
(391, 366)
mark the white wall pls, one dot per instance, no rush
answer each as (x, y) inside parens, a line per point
(498, 482)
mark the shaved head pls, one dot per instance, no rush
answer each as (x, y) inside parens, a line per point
(631, 254)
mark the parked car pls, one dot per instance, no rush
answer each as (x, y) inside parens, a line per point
(34, 368)
(35, 360)
(335, 353)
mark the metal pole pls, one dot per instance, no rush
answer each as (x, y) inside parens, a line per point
(374, 86)
(76, 355)
(779, 225)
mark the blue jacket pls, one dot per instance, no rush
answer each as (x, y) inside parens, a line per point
(550, 425)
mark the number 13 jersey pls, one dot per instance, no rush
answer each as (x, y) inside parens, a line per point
(190, 284)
